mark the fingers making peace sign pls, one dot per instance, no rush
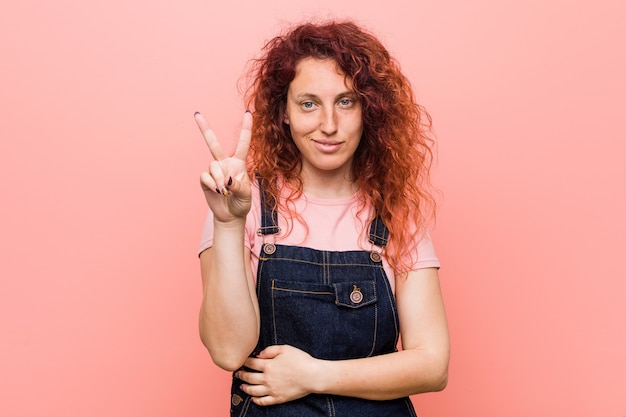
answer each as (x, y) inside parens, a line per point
(226, 184)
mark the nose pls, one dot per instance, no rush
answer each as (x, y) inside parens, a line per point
(328, 122)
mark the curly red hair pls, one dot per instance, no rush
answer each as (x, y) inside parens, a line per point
(392, 163)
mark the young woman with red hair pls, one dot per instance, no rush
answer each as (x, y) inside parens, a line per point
(315, 255)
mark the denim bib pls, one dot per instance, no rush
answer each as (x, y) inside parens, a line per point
(333, 305)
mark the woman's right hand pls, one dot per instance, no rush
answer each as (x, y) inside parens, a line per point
(226, 183)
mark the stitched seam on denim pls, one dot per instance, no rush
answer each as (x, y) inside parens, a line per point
(303, 291)
(409, 407)
(374, 238)
(373, 228)
(326, 268)
(331, 406)
(246, 406)
(375, 232)
(258, 276)
(323, 263)
(268, 214)
(274, 316)
(392, 305)
(375, 324)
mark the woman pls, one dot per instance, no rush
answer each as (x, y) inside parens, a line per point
(315, 258)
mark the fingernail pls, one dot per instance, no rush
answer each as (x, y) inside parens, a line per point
(217, 190)
(196, 113)
(230, 181)
(248, 111)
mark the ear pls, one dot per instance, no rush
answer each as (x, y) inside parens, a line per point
(286, 118)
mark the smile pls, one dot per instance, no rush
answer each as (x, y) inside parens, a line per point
(326, 146)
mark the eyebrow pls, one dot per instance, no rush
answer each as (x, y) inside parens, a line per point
(349, 93)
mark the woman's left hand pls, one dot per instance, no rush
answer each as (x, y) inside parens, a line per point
(283, 373)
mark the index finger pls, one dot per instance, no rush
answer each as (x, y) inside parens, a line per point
(209, 137)
(255, 364)
(243, 146)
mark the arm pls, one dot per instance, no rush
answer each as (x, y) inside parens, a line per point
(421, 365)
(229, 314)
(288, 373)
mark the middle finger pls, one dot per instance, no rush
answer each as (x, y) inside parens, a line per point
(253, 378)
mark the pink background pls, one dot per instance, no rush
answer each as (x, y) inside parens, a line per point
(101, 208)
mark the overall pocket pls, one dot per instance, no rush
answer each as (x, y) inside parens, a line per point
(328, 321)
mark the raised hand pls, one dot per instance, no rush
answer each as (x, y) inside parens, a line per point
(226, 184)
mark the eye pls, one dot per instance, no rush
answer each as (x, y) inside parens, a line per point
(346, 102)
(307, 105)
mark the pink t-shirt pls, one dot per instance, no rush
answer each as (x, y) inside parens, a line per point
(331, 225)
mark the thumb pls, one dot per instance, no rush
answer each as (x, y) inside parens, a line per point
(270, 352)
(238, 184)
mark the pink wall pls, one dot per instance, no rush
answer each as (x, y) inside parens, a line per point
(101, 211)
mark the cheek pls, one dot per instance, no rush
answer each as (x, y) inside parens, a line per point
(355, 122)
(302, 125)
(357, 128)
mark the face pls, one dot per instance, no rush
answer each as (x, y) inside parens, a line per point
(324, 116)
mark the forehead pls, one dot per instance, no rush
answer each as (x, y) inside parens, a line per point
(316, 73)
(311, 61)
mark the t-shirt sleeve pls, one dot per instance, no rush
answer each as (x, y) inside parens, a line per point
(426, 255)
(206, 240)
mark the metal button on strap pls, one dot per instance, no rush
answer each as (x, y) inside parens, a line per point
(356, 296)
(375, 256)
(269, 248)
(236, 400)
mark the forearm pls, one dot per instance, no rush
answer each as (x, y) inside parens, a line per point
(282, 373)
(229, 319)
(384, 377)
(421, 366)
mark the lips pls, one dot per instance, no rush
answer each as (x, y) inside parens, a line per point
(327, 145)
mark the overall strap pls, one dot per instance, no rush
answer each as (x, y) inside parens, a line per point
(379, 234)
(269, 217)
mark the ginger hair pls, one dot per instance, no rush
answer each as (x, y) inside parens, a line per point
(392, 162)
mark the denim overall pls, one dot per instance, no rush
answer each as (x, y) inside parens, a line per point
(332, 305)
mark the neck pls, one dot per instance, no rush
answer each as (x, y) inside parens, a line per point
(328, 185)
